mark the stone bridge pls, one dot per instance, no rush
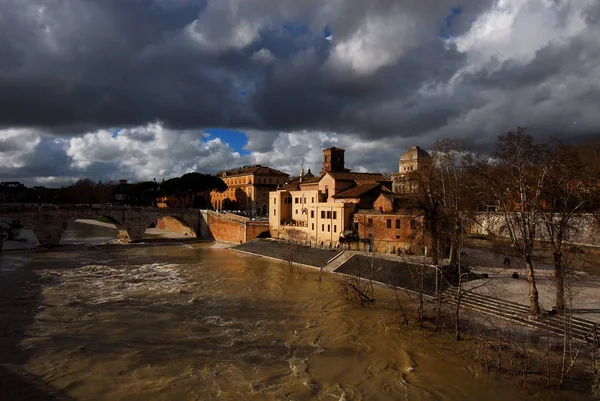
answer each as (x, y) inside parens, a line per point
(49, 222)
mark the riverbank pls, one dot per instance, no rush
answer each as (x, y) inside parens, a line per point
(488, 325)
(584, 288)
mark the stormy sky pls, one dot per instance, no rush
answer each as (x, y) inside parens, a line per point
(143, 89)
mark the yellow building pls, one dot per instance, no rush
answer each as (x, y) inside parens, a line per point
(247, 189)
(320, 209)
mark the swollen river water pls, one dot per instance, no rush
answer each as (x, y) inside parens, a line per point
(177, 321)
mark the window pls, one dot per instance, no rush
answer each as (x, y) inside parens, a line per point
(274, 201)
(274, 212)
(312, 214)
(296, 211)
(328, 228)
(303, 200)
(296, 200)
(313, 199)
(328, 214)
(335, 229)
(322, 227)
(397, 237)
(356, 226)
(334, 215)
(322, 214)
(413, 224)
(313, 227)
(380, 209)
(370, 223)
(388, 223)
(397, 223)
(269, 181)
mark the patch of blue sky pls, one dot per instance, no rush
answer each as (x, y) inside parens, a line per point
(327, 34)
(235, 139)
(449, 22)
(116, 133)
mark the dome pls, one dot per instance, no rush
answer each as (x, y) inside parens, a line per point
(413, 154)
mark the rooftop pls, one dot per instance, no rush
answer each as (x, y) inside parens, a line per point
(256, 169)
(414, 153)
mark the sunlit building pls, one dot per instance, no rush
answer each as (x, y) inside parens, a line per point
(320, 209)
(248, 189)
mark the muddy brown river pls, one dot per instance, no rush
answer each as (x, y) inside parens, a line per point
(182, 321)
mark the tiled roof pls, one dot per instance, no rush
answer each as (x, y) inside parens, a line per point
(357, 191)
(252, 170)
(359, 178)
(312, 180)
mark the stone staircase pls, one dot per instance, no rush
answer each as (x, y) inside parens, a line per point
(517, 313)
(338, 260)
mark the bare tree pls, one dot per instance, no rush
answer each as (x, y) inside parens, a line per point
(565, 197)
(292, 251)
(571, 351)
(516, 178)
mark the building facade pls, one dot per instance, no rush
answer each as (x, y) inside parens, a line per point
(248, 189)
(412, 163)
(319, 210)
(395, 224)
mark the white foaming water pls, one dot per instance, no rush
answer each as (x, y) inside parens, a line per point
(98, 284)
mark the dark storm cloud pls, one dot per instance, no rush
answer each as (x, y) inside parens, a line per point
(393, 72)
(72, 65)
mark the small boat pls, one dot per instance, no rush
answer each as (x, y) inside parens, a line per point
(13, 236)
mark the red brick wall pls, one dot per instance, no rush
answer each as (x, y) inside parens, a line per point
(233, 229)
(390, 239)
(174, 225)
(254, 229)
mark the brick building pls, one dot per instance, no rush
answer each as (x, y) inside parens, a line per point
(395, 224)
(320, 209)
(248, 189)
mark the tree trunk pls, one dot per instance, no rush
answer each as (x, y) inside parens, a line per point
(434, 243)
(559, 275)
(534, 303)
(453, 251)
(457, 316)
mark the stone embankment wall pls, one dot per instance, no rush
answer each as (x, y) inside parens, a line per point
(584, 230)
(233, 229)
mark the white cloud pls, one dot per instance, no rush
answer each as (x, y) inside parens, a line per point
(263, 56)
(517, 29)
(16, 145)
(379, 41)
(152, 151)
(289, 151)
(225, 25)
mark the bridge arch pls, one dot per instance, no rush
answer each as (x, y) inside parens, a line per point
(172, 223)
(75, 233)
